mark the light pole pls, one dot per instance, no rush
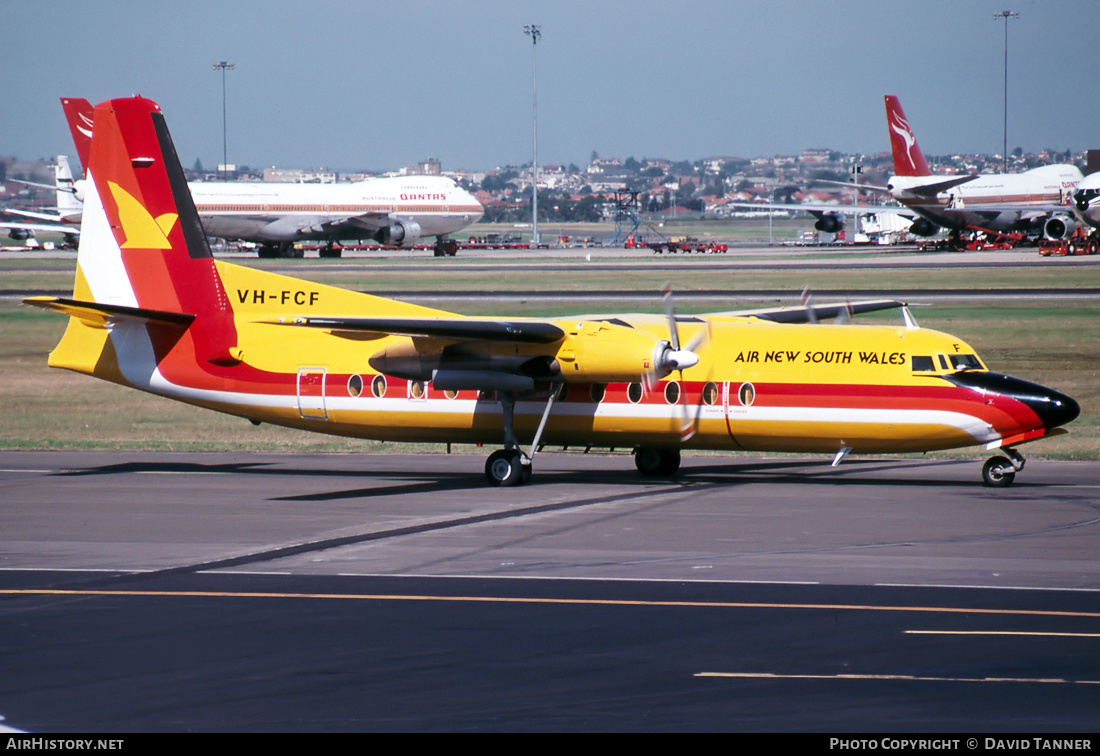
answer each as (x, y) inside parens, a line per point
(1006, 15)
(535, 33)
(223, 67)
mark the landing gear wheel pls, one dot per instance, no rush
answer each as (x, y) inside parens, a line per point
(504, 468)
(653, 462)
(998, 472)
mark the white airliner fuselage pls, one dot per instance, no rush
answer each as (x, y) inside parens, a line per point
(395, 211)
(266, 212)
(998, 202)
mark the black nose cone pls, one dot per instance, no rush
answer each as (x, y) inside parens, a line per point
(1062, 409)
(1053, 408)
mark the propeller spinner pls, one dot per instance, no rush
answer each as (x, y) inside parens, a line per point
(670, 356)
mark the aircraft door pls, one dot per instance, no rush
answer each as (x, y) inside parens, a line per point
(311, 393)
(737, 397)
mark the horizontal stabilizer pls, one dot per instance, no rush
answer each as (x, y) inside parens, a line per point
(98, 314)
(931, 190)
(458, 329)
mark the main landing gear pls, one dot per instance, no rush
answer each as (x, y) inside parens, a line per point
(998, 472)
(283, 249)
(656, 463)
(510, 466)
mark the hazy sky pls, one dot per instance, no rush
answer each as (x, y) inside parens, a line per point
(381, 85)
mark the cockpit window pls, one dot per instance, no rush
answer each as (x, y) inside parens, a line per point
(922, 364)
(965, 362)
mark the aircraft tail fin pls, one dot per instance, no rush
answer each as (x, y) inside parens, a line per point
(1092, 162)
(908, 158)
(142, 247)
(67, 203)
(79, 113)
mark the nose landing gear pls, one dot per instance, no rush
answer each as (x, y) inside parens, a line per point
(999, 472)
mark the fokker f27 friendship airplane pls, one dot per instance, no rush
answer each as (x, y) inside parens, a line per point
(396, 211)
(153, 310)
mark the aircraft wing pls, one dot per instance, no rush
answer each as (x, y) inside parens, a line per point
(1025, 210)
(813, 312)
(542, 332)
(850, 185)
(31, 228)
(822, 209)
(51, 187)
(368, 223)
(55, 217)
(453, 329)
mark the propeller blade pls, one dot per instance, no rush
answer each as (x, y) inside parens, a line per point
(687, 426)
(700, 339)
(673, 330)
(807, 302)
(845, 316)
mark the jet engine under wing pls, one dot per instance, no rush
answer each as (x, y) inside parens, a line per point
(455, 329)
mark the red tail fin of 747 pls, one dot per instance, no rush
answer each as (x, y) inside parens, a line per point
(79, 114)
(908, 158)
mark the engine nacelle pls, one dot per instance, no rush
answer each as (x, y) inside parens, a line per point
(830, 223)
(603, 352)
(1059, 227)
(923, 227)
(19, 234)
(400, 233)
(403, 359)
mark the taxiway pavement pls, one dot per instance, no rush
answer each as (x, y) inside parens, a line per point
(250, 592)
(913, 521)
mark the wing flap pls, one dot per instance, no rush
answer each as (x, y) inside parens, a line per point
(365, 222)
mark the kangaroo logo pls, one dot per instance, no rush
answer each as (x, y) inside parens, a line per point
(900, 126)
(85, 125)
